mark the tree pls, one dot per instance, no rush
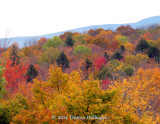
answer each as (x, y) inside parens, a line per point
(153, 52)
(117, 55)
(122, 48)
(2, 81)
(31, 73)
(88, 64)
(69, 40)
(142, 45)
(63, 61)
(129, 70)
(49, 56)
(82, 51)
(54, 42)
(14, 55)
(106, 56)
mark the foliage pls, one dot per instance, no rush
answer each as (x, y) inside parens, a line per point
(69, 40)
(135, 60)
(54, 42)
(117, 55)
(88, 64)
(129, 70)
(82, 51)
(142, 45)
(50, 55)
(14, 55)
(31, 73)
(63, 61)
(2, 82)
(153, 52)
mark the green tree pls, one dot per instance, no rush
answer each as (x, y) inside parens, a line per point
(2, 82)
(153, 52)
(69, 40)
(82, 51)
(31, 73)
(129, 70)
(54, 42)
(63, 61)
(49, 56)
(117, 55)
(142, 45)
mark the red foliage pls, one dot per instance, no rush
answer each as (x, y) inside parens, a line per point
(105, 84)
(14, 75)
(99, 62)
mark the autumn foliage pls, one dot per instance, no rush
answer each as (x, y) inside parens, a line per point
(100, 76)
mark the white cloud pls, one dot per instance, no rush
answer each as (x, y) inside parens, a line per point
(36, 17)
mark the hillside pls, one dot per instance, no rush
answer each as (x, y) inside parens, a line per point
(141, 23)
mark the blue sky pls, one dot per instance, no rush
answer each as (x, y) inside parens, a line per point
(37, 17)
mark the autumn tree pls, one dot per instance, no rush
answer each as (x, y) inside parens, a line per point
(82, 51)
(62, 61)
(54, 42)
(49, 56)
(31, 73)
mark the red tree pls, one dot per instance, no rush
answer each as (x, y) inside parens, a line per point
(14, 75)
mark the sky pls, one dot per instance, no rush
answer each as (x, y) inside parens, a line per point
(38, 17)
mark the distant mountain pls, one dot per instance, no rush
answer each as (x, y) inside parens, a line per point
(142, 23)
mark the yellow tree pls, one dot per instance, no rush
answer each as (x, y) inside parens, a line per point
(140, 95)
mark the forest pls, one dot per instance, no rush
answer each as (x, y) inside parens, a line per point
(95, 77)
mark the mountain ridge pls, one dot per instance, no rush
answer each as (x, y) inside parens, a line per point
(138, 24)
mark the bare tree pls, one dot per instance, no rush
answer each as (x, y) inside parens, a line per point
(4, 43)
(31, 42)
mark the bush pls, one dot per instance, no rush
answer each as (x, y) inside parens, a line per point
(129, 70)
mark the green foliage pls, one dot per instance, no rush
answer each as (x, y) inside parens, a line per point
(2, 82)
(31, 73)
(69, 40)
(63, 61)
(142, 45)
(12, 107)
(153, 52)
(54, 42)
(50, 55)
(135, 60)
(117, 55)
(129, 70)
(82, 51)
(123, 39)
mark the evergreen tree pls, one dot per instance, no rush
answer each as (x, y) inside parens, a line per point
(106, 56)
(117, 55)
(14, 55)
(142, 45)
(69, 40)
(88, 64)
(31, 73)
(122, 48)
(153, 52)
(63, 61)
